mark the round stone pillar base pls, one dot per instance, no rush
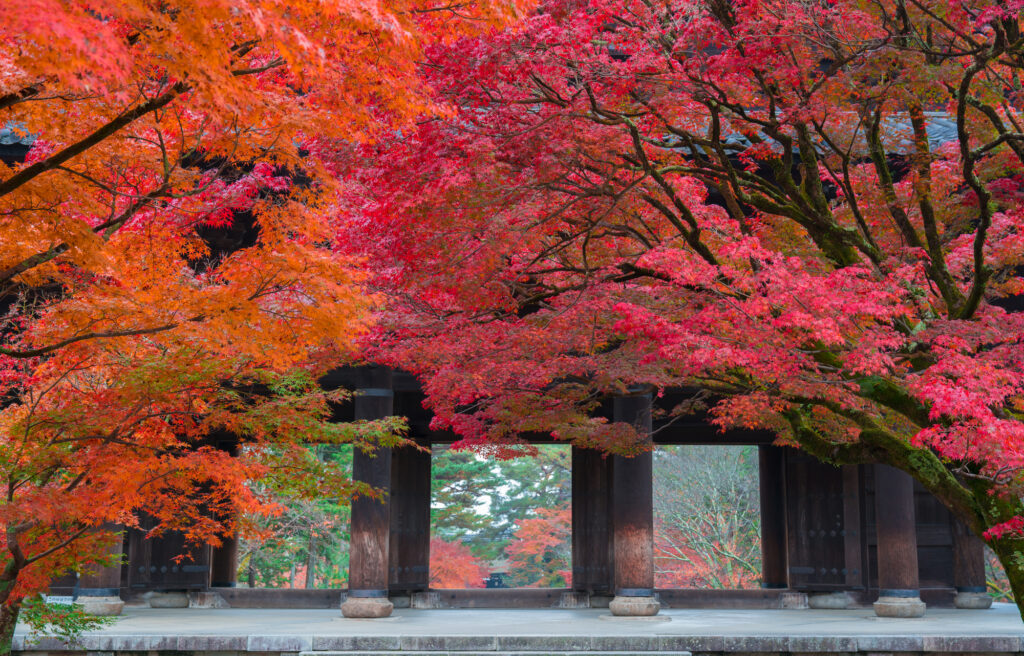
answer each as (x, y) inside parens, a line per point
(634, 606)
(972, 600)
(366, 607)
(100, 606)
(899, 607)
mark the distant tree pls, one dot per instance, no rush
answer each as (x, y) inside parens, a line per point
(541, 480)
(453, 565)
(460, 482)
(540, 554)
(996, 580)
(707, 528)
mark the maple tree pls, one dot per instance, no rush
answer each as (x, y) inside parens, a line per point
(809, 210)
(167, 270)
(541, 555)
(453, 565)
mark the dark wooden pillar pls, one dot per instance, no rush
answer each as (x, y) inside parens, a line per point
(410, 519)
(774, 561)
(224, 558)
(224, 564)
(592, 568)
(98, 591)
(633, 515)
(968, 568)
(371, 518)
(898, 583)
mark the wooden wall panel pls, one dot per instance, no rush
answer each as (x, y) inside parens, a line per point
(592, 556)
(153, 564)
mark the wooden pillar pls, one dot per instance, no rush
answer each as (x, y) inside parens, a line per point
(224, 564)
(633, 515)
(371, 518)
(968, 568)
(410, 520)
(98, 591)
(224, 559)
(592, 568)
(774, 561)
(898, 586)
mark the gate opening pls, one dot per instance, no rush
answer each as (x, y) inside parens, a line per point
(307, 545)
(501, 523)
(707, 517)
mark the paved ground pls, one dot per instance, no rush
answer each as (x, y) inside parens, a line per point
(998, 629)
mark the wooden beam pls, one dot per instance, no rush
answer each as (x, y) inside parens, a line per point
(592, 559)
(531, 598)
(774, 551)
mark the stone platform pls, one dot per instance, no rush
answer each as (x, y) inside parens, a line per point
(240, 632)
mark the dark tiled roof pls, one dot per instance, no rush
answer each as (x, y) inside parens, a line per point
(14, 144)
(897, 134)
(9, 137)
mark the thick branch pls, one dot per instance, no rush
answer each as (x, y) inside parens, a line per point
(30, 172)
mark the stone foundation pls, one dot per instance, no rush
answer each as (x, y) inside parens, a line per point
(366, 607)
(634, 606)
(584, 632)
(100, 606)
(904, 607)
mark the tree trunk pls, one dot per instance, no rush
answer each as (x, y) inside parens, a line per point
(1001, 508)
(311, 559)
(8, 620)
(1014, 566)
(9, 607)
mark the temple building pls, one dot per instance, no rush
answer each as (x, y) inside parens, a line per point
(831, 537)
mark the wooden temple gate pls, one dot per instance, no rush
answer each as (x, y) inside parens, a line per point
(840, 535)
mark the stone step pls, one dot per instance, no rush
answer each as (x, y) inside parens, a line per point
(493, 653)
(549, 645)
